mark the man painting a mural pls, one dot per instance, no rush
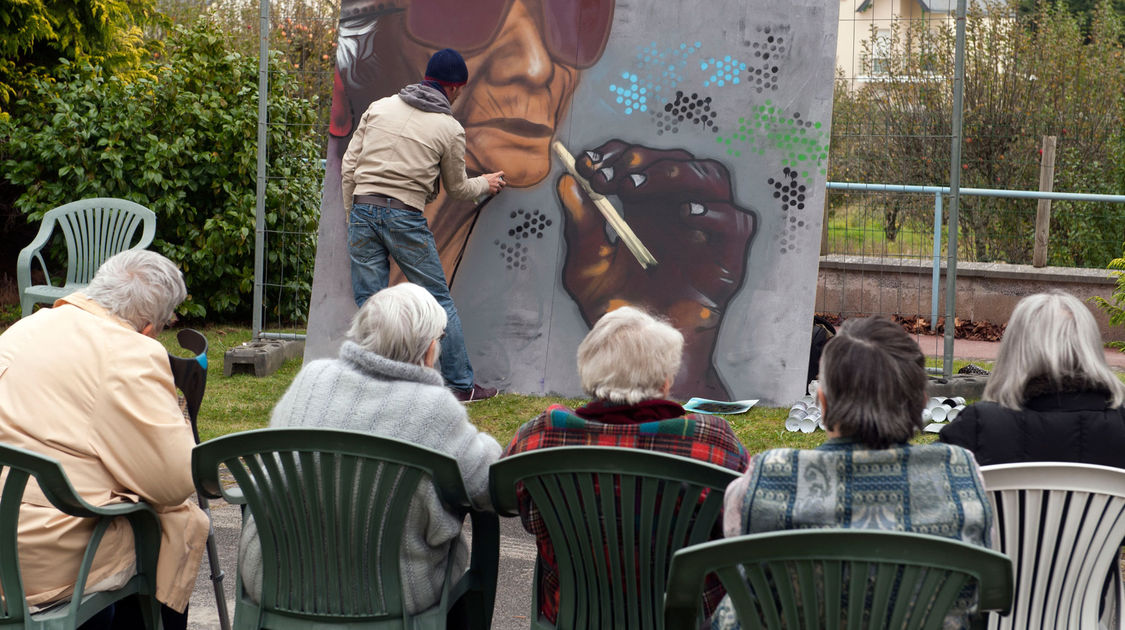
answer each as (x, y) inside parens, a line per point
(404, 147)
(525, 59)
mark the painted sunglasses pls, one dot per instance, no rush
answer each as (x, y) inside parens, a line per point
(575, 31)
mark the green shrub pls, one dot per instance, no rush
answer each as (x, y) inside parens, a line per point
(183, 144)
(1116, 308)
(36, 35)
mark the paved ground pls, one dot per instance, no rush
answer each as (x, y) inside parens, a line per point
(986, 350)
(517, 548)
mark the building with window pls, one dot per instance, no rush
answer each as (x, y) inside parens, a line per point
(867, 31)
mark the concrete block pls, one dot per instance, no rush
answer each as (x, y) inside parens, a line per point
(262, 357)
(967, 386)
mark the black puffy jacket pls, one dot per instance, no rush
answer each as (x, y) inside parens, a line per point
(1062, 427)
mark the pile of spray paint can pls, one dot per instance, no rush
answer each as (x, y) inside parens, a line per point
(940, 411)
(805, 415)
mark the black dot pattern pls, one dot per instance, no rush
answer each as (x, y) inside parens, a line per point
(791, 195)
(514, 255)
(526, 224)
(686, 108)
(769, 46)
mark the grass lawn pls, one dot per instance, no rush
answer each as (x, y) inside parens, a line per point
(242, 402)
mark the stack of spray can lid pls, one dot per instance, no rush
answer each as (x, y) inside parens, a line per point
(940, 411)
(805, 415)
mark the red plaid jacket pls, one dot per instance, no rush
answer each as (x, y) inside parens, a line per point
(654, 425)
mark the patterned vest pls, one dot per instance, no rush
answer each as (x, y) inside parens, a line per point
(927, 489)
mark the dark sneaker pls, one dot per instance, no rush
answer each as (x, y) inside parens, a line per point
(474, 393)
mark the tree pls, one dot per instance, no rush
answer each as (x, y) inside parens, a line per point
(1025, 77)
(36, 34)
(1082, 9)
(302, 32)
(182, 143)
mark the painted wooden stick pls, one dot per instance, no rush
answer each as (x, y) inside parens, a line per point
(624, 232)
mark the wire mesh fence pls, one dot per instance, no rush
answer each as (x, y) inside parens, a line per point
(300, 37)
(1031, 72)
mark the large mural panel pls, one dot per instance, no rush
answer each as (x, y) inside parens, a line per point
(704, 126)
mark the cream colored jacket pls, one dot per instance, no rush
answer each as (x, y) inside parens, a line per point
(82, 386)
(400, 151)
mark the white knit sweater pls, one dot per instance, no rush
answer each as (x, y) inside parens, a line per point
(362, 391)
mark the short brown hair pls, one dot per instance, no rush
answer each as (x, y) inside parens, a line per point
(874, 381)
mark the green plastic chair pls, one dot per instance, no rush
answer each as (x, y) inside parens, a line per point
(330, 507)
(822, 578)
(18, 465)
(661, 503)
(94, 230)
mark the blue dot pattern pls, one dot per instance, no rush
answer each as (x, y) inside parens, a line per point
(656, 72)
(724, 71)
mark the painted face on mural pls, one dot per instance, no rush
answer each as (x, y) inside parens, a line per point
(524, 59)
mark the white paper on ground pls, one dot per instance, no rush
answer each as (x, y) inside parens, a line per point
(704, 405)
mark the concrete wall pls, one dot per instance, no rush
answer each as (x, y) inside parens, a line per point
(985, 291)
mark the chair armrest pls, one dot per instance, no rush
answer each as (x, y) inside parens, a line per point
(146, 540)
(502, 488)
(23, 261)
(233, 495)
(207, 457)
(478, 585)
(214, 489)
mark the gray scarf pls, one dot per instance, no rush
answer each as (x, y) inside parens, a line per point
(425, 98)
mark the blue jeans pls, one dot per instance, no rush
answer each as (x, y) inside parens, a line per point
(376, 233)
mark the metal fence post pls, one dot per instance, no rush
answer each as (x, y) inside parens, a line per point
(954, 191)
(935, 286)
(260, 196)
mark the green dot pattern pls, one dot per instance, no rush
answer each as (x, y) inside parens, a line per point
(802, 143)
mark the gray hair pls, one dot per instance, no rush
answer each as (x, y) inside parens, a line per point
(399, 323)
(139, 286)
(628, 356)
(874, 382)
(1050, 335)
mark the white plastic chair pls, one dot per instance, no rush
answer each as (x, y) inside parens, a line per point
(1062, 524)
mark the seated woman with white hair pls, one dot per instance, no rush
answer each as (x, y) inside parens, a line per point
(1051, 396)
(384, 383)
(87, 383)
(867, 475)
(627, 362)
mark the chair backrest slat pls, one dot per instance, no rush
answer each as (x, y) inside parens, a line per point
(629, 497)
(614, 550)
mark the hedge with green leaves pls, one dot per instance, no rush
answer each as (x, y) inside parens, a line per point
(185, 145)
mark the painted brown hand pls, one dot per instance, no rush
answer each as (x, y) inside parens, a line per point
(682, 209)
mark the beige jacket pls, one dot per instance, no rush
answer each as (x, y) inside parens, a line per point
(81, 386)
(399, 150)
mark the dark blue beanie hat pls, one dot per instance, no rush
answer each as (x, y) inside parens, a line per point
(447, 67)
